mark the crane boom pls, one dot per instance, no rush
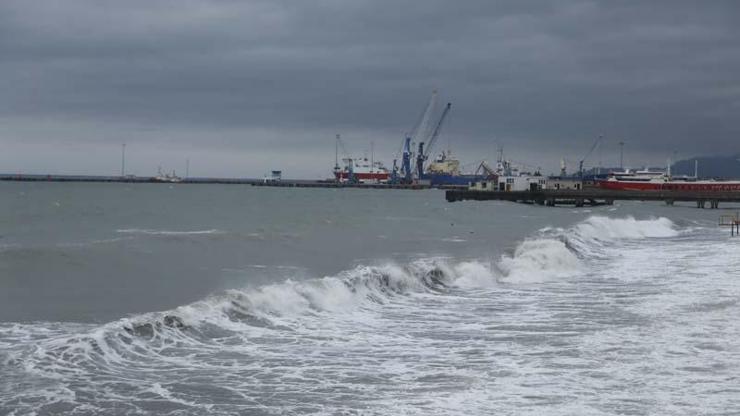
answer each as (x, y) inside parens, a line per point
(591, 150)
(437, 129)
(422, 155)
(422, 127)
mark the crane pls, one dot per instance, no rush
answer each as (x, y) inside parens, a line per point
(419, 131)
(423, 155)
(591, 150)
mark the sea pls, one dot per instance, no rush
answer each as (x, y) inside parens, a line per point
(182, 299)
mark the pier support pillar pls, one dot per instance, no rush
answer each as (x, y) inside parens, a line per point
(579, 203)
(714, 204)
(550, 202)
(609, 202)
(700, 203)
(669, 202)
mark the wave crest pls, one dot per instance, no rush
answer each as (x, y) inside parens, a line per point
(605, 228)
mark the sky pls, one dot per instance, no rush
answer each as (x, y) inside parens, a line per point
(239, 88)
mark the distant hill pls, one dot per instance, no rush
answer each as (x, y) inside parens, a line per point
(710, 166)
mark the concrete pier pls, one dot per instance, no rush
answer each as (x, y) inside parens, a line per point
(595, 196)
(283, 183)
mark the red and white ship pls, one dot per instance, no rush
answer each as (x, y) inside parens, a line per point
(647, 180)
(362, 170)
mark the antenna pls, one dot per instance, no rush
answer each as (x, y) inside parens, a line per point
(187, 168)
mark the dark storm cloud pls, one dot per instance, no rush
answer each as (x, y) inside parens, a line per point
(537, 76)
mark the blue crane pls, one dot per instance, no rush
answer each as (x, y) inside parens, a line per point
(419, 131)
(423, 155)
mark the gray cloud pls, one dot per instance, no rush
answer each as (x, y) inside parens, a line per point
(235, 83)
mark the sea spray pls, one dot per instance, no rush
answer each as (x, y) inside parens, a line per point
(538, 259)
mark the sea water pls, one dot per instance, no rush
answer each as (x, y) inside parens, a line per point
(204, 299)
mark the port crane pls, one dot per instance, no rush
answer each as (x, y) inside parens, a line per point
(591, 150)
(337, 145)
(419, 131)
(422, 154)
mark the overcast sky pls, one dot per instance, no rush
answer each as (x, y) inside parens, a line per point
(242, 87)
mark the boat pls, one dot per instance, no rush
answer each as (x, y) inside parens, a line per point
(166, 177)
(361, 170)
(647, 180)
(445, 171)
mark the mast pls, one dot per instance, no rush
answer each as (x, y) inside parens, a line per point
(336, 158)
(696, 168)
(372, 156)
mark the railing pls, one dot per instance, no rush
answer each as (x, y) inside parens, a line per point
(732, 221)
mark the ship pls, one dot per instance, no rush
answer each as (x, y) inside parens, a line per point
(647, 180)
(445, 171)
(166, 177)
(361, 170)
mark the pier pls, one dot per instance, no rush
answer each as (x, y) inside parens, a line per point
(282, 183)
(594, 196)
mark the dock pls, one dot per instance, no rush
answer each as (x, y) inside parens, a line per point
(593, 196)
(282, 183)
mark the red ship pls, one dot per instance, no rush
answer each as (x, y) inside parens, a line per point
(363, 171)
(660, 181)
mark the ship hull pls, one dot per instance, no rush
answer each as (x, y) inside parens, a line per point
(440, 179)
(363, 177)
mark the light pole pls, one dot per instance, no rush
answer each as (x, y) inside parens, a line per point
(123, 160)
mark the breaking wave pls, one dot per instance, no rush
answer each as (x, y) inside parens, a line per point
(552, 253)
(605, 228)
(558, 252)
(170, 339)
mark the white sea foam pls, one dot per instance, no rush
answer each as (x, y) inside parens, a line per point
(434, 336)
(606, 228)
(539, 259)
(145, 231)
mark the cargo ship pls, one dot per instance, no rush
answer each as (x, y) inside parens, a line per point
(445, 171)
(647, 180)
(361, 170)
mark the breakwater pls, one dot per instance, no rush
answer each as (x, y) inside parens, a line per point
(284, 183)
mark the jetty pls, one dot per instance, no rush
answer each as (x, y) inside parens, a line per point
(282, 183)
(594, 196)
